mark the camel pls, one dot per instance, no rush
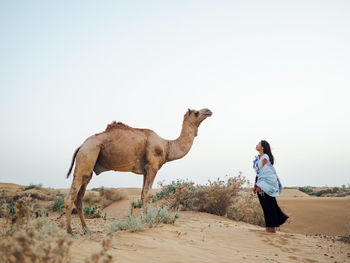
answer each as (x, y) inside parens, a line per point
(126, 149)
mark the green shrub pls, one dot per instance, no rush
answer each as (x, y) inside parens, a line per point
(322, 192)
(92, 212)
(307, 189)
(60, 195)
(31, 186)
(11, 208)
(58, 204)
(37, 213)
(136, 203)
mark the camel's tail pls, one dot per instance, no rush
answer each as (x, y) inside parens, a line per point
(73, 159)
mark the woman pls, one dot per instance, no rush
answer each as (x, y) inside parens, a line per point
(268, 187)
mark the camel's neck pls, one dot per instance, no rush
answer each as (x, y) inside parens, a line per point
(181, 146)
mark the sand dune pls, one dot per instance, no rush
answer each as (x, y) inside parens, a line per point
(200, 237)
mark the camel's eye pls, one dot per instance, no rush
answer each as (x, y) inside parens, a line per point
(196, 113)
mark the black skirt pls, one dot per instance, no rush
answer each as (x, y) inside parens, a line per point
(274, 217)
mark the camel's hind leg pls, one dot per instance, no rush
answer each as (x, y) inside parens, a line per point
(69, 200)
(85, 162)
(79, 201)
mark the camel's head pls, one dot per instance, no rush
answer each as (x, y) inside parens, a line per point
(196, 117)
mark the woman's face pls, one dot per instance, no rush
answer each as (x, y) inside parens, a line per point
(259, 147)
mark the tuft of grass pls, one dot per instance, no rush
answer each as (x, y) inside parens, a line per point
(148, 218)
(132, 224)
(136, 203)
(58, 204)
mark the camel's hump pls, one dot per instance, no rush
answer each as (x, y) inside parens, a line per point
(117, 125)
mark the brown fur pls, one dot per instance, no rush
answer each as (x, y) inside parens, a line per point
(126, 149)
(116, 125)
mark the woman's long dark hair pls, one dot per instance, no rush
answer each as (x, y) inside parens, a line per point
(267, 150)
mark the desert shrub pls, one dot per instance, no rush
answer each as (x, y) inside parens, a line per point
(110, 195)
(11, 209)
(89, 197)
(136, 203)
(148, 218)
(38, 213)
(132, 224)
(92, 212)
(31, 186)
(166, 217)
(25, 239)
(214, 198)
(322, 192)
(307, 189)
(169, 189)
(58, 204)
(224, 198)
(247, 209)
(159, 214)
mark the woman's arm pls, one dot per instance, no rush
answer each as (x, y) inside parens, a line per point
(264, 162)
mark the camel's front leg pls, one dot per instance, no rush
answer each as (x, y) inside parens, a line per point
(148, 180)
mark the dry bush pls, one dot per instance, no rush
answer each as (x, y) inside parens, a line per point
(34, 194)
(215, 197)
(25, 238)
(247, 208)
(110, 195)
(224, 198)
(90, 197)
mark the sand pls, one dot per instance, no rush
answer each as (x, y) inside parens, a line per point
(201, 237)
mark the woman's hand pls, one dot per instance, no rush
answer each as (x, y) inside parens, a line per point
(254, 189)
(258, 189)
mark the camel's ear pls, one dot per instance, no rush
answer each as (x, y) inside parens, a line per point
(188, 113)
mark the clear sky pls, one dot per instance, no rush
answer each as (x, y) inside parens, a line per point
(274, 70)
